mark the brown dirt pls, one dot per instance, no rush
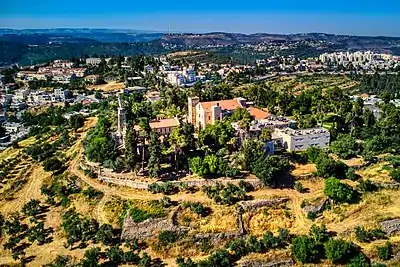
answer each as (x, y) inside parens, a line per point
(109, 87)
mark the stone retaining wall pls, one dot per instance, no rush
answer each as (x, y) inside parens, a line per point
(143, 185)
(391, 226)
(148, 228)
(265, 263)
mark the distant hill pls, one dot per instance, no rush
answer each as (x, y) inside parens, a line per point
(219, 38)
(31, 46)
(100, 35)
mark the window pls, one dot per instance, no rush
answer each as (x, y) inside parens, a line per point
(315, 138)
(299, 139)
(209, 118)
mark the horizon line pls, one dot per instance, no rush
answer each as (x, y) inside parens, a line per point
(185, 32)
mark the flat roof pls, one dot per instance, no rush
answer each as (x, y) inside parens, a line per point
(161, 123)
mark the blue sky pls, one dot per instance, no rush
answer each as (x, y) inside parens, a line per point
(249, 16)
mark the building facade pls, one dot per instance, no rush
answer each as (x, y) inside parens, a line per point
(302, 139)
(201, 114)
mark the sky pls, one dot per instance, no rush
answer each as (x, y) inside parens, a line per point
(355, 17)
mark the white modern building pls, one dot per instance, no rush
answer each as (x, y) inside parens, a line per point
(301, 139)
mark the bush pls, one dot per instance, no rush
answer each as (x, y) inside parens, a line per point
(304, 249)
(367, 186)
(52, 164)
(299, 187)
(338, 250)
(238, 247)
(339, 192)
(168, 237)
(366, 236)
(227, 195)
(345, 146)
(166, 188)
(197, 208)
(319, 233)
(312, 215)
(253, 245)
(328, 167)
(395, 174)
(385, 252)
(314, 154)
(246, 186)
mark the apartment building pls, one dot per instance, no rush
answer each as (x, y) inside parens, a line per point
(301, 139)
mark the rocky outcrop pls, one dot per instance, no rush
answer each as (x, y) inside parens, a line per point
(315, 208)
(391, 226)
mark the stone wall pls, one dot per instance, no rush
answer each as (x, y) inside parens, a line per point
(148, 228)
(144, 185)
(391, 226)
(265, 263)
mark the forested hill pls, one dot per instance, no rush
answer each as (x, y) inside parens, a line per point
(15, 52)
(37, 46)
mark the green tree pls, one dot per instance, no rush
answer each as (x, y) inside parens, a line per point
(105, 234)
(91, 258)
(77, 121)
(32, 208)
(182, 141)
(52, 164)
(2, 130)
(155, 156)
(338, 250)
(339, 192)
(345, 146)
(240, 114)
(319, 233)
(385, 252)
(304, 249)
(265, 135)
(131, 141)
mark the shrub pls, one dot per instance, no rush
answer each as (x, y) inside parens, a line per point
(299, 187)
(385, 252)
(314, 153)
(366, 236)
(367, 186)
(339, 192)
(318, 233)
(197, 208)
(312, 215)
(238, 247)
(165, 188)
(253, 245)
(338, 250)
(359, 261)
(168, 237)
(345, 146)
(328, 167)
(304, 249)
(246, 186)
(395, 174)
